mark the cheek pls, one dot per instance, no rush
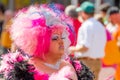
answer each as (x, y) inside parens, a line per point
(83, 15)
(53, 47)
(112, 19)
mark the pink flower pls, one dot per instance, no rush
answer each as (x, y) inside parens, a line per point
(77, 65)
(39, 21)
(20, 58)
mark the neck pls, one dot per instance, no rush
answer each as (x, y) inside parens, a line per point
(46, 60)
(51, 59)
(88, 17)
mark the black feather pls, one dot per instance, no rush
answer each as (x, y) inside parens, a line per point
(21, 71)
(85, 73)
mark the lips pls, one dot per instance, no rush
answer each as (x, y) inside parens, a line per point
(61, 47)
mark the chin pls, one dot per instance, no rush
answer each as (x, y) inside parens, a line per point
(60, 54)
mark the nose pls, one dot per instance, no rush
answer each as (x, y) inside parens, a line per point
(61, 41)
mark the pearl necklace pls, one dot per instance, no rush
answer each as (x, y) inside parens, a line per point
(55, 66)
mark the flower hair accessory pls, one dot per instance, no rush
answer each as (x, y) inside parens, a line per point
(40, 21)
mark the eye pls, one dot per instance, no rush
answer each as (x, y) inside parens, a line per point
(62, 37)
(55, 37)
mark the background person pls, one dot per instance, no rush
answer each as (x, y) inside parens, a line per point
(91, 39)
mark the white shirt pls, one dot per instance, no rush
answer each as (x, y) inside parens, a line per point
(92, 34)
(111, 28)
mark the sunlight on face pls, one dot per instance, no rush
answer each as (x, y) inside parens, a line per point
(57, 44)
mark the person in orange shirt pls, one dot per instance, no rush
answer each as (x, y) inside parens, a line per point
(111, 60)
(116, 36)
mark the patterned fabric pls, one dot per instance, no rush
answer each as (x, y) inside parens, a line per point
(83, 72)
(20, 69)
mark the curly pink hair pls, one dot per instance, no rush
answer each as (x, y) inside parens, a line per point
(32, 28)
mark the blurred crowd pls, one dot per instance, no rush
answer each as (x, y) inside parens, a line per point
(97, 40)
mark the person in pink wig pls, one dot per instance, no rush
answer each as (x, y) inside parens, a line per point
(42, 37)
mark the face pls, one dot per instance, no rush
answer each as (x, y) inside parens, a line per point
(114, 18)
(80, 16)
(83, 15)
(103, 14)
(57, 44)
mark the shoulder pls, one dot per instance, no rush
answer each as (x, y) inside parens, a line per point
(68, 70)
(86, 25)
(66, 63)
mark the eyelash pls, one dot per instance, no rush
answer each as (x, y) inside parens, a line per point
(58, 38)
(62, 37)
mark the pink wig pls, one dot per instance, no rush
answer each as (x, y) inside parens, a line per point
(32, 28)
